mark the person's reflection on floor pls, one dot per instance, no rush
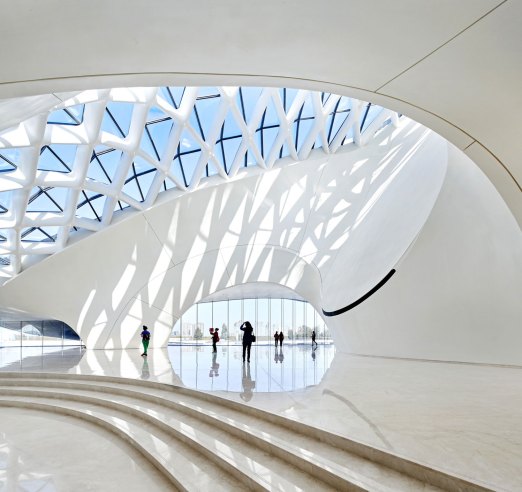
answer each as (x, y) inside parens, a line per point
(281, 355)
(145, 373)
(313, 353)
(248, 384)
(214, 368)
(276, 355)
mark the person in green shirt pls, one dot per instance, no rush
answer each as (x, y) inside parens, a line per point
(145, 338)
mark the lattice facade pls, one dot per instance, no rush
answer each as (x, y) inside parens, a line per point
(76, 166)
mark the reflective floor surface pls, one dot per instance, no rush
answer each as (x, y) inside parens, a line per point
(461, 418)
(271, 369)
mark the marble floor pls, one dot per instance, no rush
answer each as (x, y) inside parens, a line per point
(465, 419)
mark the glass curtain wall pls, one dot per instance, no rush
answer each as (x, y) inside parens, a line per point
(44, 333)
(296, 318)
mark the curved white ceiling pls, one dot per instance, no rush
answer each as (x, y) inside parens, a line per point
(78, 163)
(454, 66)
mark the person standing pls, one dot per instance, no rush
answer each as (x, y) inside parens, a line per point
(281, 338)
(248, 332)
(145, 339)
(313, 339)
(215, 339)
(276, 338)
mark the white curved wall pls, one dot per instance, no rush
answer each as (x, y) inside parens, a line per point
(457, 293)
(291, 225)
(453, 66)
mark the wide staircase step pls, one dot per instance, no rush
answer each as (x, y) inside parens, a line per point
(201, 441)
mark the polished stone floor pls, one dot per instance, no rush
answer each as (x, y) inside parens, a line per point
(462, 418)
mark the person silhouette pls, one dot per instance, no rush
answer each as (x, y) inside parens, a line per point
(281, 338)
(248, 331)
(215, 339)
(276, 337)
(248, 384)
(145, 339)
(313, 339)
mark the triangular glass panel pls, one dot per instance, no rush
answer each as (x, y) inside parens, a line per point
(5, 260)
(231, 147)
(90, 205)
(287, 97)
(284, 152)
(131, 189)
(117, 118)
(145, 180)
(41, 202)
(58, 195)
(146, 144)
(9, 159)
(301, 131)
(158, 136)
(189, 162)
(96, 171)
(372, 111)
(308, 110)
(230, 127)
(72, 115)
(204, 114)
(334, 123)
(187, 143)
(270, 116)
(141, 165)
(247, 98)
(39, 234)
(57, 157)
(177, 95)
(3, 235)
(177, 169)
(5, 201)
(156, 114)
(109, 159)
(167, 95)
(265, 140)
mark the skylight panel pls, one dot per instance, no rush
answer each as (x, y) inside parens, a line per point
(41, 201)
(156, 137)
(71, 115)
(117, 118)
(9, 159)
(57, 157)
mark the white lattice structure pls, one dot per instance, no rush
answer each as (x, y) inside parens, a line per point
(76, 165)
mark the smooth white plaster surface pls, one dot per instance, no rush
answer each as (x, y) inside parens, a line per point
(457, 294)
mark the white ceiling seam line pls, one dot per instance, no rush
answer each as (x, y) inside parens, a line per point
(420, 60)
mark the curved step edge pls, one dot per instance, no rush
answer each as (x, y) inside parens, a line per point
(420, 471)
(252, 482)
(84, 416)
